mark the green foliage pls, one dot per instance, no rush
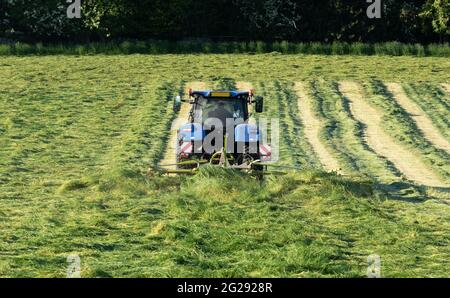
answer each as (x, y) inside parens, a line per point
(438, 11)
(268, 20)
(41, 20)
(274, 18)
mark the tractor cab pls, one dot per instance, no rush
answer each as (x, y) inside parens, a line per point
(220, 108)
(220, 105)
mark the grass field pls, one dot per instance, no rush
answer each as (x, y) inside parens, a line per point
(77, 134)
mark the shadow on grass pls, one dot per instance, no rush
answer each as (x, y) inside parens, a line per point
(400, 190)
(409, 192)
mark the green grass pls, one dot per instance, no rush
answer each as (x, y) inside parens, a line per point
(223, 224)
(141, 69)
(77, 134)
(198, 46)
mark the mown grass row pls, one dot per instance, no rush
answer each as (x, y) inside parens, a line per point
(272, 108)
(149, 129)
(206, 47)
(281, 104)
(399, 124)
(343, 134)
(433, 102)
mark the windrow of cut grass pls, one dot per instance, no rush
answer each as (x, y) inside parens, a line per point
(408, 163)
(343, 134)
(423, 122)
(145, 142)
(281, 104)
(399, 124)
(313, 126)
(434, 102)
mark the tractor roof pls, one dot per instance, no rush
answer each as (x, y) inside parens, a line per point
(222, 94)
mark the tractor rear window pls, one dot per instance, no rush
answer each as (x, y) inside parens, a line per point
(220, 108)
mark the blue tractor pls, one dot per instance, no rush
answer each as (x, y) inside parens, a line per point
(219, 132)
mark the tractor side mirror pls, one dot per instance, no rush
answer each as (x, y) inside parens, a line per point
(259, 104)
(177, 103)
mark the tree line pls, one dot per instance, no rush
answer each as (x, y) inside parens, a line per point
(410, 21)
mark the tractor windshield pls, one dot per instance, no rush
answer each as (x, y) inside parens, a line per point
(220, 108)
